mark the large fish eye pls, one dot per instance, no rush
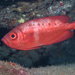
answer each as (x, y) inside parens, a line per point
(13, 36)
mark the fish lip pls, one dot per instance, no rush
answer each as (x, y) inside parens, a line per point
(4, 41)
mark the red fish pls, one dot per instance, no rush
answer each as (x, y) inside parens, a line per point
(38, 32)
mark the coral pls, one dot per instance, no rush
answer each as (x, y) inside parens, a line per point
(54, 70)
(9, 68)
(11, 14)
(61, 7)
(21, 20)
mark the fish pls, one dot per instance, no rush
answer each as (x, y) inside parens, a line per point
(39, 32)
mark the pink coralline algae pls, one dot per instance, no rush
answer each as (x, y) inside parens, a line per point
(9, 68)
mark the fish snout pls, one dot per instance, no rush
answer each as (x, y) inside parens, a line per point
(3, 40)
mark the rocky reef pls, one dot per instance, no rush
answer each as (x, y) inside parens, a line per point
(9, 68)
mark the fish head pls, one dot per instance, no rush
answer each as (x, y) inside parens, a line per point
(13, 39)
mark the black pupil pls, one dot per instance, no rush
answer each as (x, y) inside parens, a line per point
(12, 35)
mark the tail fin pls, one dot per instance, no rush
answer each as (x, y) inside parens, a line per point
(73, 25)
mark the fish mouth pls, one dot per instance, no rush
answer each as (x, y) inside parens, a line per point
(4, 41)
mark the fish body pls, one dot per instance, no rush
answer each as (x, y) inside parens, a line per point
(38, 32)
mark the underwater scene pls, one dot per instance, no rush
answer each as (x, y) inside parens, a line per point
(37, 37)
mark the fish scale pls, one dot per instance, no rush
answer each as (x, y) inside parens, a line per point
(35, 33)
